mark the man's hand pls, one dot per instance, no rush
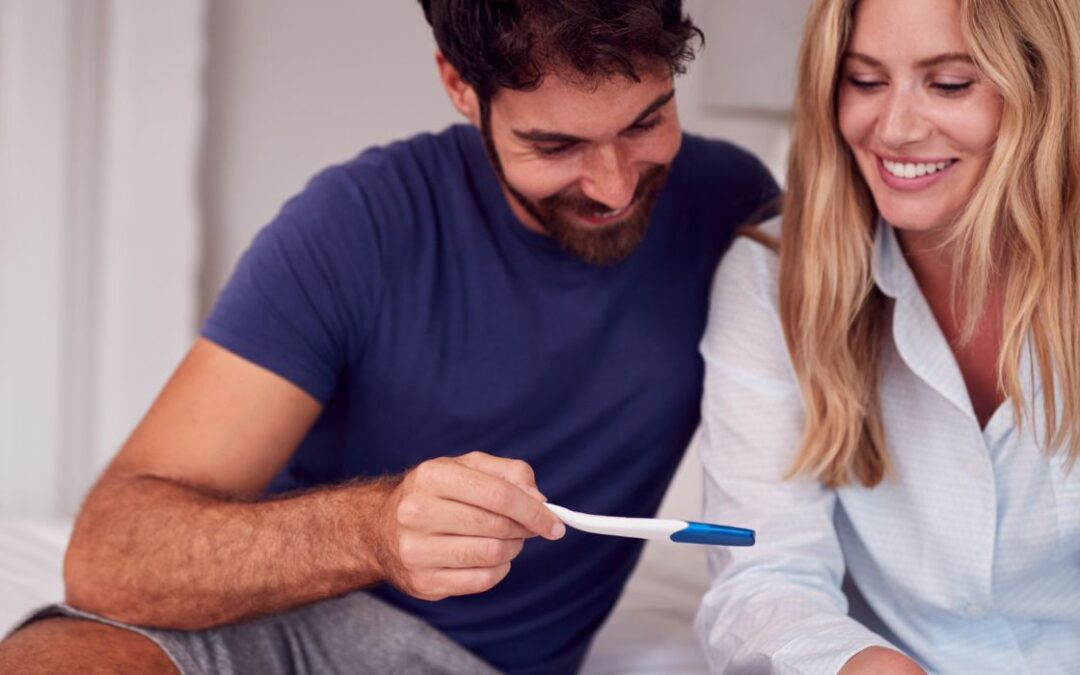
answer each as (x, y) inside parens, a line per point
(452, 525)
(881, 661)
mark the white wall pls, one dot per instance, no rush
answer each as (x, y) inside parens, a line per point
(99, 118)
(294, 86)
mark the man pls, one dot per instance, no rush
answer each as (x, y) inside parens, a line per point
(347, 472)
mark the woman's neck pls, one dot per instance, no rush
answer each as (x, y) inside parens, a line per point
(932, 263)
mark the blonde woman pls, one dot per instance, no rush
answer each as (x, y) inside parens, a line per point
(893, 367)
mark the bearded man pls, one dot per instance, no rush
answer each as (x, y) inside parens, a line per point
(347, 473)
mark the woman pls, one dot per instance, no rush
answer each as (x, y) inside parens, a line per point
(895, 394)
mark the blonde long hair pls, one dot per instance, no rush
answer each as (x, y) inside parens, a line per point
(1021, 224)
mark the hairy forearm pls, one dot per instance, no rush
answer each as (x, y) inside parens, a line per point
(154, 552)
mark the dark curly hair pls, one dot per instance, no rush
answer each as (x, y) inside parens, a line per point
(512, 44)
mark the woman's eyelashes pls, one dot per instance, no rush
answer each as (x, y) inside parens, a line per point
(864, 83)
(950, 88)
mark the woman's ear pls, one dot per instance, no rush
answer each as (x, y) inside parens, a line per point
(461, 93)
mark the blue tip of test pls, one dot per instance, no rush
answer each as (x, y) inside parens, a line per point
(715, 535)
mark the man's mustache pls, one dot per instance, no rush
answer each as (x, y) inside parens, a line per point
(579, 203)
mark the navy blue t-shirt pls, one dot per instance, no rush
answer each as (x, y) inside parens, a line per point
(400, 291)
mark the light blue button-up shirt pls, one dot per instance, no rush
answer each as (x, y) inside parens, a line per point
(966, 559)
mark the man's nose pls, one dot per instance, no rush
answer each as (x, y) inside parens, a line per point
(902, 121)
(609, 177)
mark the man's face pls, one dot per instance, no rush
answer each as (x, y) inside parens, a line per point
(585, 162)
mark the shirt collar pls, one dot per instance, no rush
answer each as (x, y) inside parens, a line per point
(915, 331)
(918, 337)
(890, 269)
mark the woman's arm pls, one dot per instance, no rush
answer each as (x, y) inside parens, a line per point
(874, 660)
(778, 605)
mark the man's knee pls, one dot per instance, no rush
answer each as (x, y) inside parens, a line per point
(63, 645)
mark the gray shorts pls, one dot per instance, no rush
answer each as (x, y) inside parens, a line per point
(357, 633)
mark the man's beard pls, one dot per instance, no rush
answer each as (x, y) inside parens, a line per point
(600, 246)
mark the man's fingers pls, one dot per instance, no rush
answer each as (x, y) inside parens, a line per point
(457, 552)
(455, 481)
(513, 471)
(448, 582)
(437, 515)
(459, 522)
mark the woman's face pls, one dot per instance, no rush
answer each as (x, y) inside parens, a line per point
(918, 115)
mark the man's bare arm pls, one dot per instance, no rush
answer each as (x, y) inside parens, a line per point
(155, 552)
(174, 535)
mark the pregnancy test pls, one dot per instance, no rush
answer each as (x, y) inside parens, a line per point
(681, 531)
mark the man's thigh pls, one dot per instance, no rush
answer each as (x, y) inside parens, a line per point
(356, 633)
(64, 645)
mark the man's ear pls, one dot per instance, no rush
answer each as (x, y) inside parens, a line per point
(461, 93)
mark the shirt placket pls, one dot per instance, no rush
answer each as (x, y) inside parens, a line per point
(924, 350)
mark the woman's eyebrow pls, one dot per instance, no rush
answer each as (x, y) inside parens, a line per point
(950, 57)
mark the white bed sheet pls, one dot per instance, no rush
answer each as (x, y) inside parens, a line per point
(31, 558)
(650, 631)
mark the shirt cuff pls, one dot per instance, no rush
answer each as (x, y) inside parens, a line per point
(827, 649)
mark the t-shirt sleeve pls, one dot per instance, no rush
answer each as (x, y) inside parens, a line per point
(303, 296)
(726, 186)
(758, 195)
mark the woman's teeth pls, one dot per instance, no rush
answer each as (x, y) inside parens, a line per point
(901, 170)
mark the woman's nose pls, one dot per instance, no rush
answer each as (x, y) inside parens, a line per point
(902, 121)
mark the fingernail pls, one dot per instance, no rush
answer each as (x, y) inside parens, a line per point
(558, 530)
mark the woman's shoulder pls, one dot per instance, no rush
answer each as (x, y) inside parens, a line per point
(745, 331)
(752, 264)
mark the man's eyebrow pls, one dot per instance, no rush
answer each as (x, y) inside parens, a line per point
(951, 57)
(544, 136)
(660, 102)
(541, 136)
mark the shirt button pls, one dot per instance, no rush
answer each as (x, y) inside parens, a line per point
(974, 611)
